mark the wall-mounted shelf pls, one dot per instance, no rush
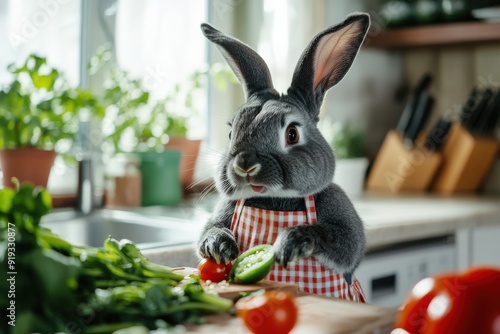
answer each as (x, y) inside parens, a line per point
(435, 35)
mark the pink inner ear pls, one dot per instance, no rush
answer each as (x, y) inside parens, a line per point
(330, 51)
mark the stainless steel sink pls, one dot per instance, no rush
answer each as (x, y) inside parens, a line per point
(149, 228)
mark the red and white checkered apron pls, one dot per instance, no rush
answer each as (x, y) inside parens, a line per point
(253, 226)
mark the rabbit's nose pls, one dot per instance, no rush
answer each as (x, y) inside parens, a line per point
(246, 164)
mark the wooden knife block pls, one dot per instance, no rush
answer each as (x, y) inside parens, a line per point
(397, 169)
(466, 161)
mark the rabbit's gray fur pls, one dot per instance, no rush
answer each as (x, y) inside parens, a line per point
(288, 172)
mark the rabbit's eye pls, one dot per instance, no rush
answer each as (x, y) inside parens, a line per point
(292, 135)
(230, 135)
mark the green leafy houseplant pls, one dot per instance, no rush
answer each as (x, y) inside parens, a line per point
(348, 142)
(39, 108)
(130, 126)
(39, 113)
(132, 115)
(135, 122)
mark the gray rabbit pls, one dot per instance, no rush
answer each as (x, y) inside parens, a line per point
(275, 176)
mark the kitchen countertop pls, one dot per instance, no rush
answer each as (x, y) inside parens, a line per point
(391, 219)
(388, 220)
(316, 315)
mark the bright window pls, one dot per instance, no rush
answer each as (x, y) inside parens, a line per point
(161, 42)
(50, 28)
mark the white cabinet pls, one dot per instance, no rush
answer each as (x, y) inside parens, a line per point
(486, 245)
(388, 276)
(478, 246)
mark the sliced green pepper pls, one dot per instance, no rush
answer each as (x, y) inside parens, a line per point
(252, 265)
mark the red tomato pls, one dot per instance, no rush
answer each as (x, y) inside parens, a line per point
(412, 313)
(272, 312)
(213, 271)
(454, 303)
(473, 306)
(484, 280)
(229, 266)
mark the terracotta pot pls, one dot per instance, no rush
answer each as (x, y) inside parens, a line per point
(27, 164)
(190, 150)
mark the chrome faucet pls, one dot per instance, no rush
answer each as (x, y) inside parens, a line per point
(85, 192)
(86, 150)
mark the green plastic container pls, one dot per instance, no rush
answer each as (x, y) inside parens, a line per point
(161, 184)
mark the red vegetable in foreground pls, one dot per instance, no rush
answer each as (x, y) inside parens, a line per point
(213, 271)
(455, 303)
(271, 312)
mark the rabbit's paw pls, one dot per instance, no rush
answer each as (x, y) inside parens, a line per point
(293, 244)
(220, 246)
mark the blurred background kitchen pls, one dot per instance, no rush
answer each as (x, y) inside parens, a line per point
(128, 104)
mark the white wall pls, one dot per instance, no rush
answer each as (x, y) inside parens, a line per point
(367, 92)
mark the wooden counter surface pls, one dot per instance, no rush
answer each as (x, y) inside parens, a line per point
(317, 314)
(321, 315)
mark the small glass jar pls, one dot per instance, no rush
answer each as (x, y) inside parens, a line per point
(123, 182)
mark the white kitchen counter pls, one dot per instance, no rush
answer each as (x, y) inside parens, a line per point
(390, 220)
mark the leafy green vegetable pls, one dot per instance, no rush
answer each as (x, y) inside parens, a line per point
(60, 287)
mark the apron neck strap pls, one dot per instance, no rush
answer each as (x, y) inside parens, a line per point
(310, 209)
(237, 212)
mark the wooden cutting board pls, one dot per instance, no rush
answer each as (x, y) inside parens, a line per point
(232, 291)
(317, 315)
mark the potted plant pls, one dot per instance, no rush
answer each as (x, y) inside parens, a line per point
(134, 122)
(179, 107)
(348, 142)
(38, 119)
(129, 126)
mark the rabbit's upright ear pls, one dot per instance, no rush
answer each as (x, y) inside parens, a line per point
(249, 67)
(328, 57)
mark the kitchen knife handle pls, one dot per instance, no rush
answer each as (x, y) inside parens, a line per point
(437, 136)
(411, 106)
(424, 107)
(476, 115)
(469, 105)
(488, 120)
